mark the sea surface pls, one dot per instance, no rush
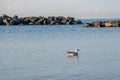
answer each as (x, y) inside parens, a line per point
(40, 53)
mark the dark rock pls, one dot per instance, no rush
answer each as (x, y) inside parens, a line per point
(34, 19)
(26, 22)
(15, 17)
(78, 22)
(64, 21)
(41, 22)
(15, 22)
(4, 16)
(52, 23)
(87, 25)
(1, 21)
(46, 22)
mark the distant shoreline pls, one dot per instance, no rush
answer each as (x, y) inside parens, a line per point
(60, 20)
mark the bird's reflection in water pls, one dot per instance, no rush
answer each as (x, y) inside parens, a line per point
(73, 59)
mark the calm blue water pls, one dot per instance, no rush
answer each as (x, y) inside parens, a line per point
(39, 53)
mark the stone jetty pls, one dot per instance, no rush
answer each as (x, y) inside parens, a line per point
(51, 20)
(113, 23)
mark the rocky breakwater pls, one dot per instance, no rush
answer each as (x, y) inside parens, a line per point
(113, 23)
(51, 20)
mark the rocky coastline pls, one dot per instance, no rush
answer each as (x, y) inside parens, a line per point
(51, 20)
(113, 23)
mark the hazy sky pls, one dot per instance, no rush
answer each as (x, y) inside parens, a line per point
(75, 8)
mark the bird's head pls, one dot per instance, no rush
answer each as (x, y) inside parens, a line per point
(76, 50)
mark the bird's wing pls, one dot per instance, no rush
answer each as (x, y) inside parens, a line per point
(70, 52)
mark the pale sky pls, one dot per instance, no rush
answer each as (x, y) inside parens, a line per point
(75, 8)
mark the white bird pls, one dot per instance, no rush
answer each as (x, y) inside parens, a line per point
(71, 54)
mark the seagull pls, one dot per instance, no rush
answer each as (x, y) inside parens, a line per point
(71, 54)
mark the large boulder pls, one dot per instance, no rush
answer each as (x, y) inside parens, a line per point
(1, 21)
(68, 23)
(34, 19)
(24, 21)
(41, 21)
(115, 23)
(52, 23)
(87, 25)
(46, 22)
(51, 18)
(5, 19)
(108, 24)
(15, 17)
(64, 21)
(96, 24)
(78, 22)
(14, 22)
(4, 16)
(6, 22)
